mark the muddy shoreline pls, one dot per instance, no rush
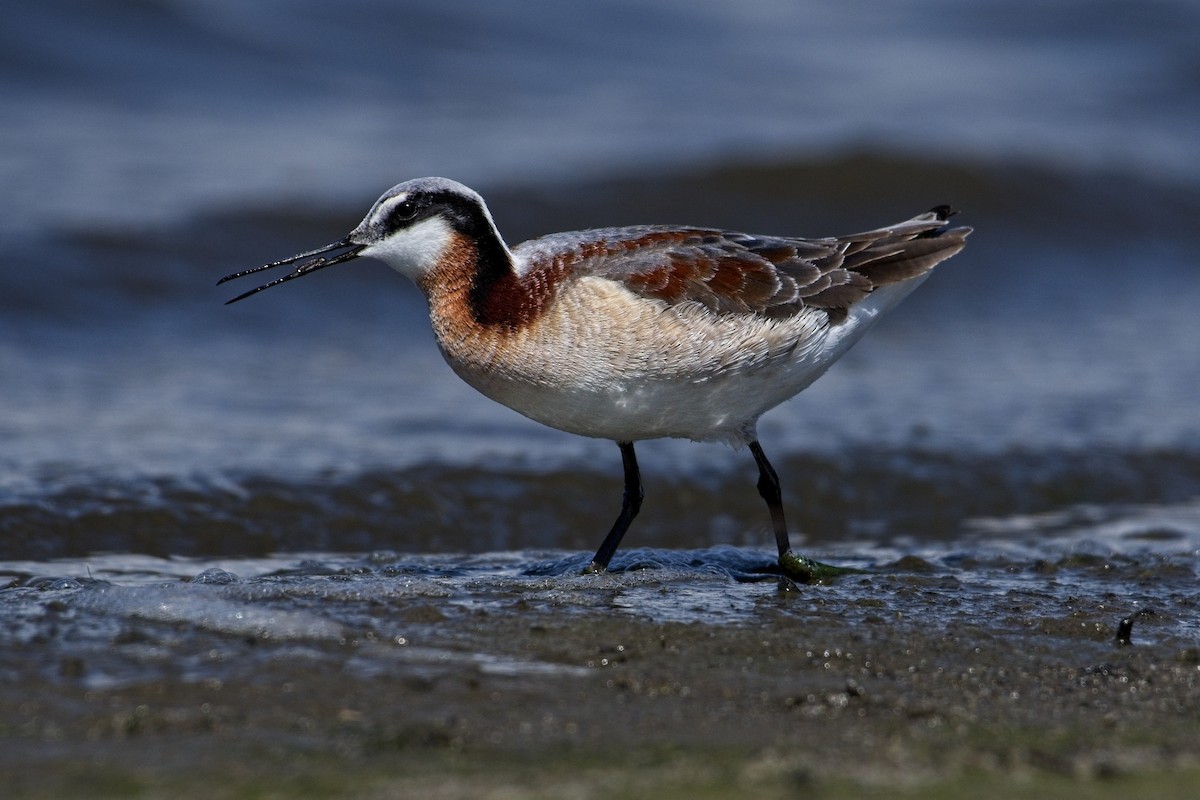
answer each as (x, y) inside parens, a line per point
(914, 682)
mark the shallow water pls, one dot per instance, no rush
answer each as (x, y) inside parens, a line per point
(122, 620)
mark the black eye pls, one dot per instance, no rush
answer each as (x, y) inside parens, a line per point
(404, 211)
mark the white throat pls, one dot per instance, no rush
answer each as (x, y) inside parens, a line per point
(414, 250)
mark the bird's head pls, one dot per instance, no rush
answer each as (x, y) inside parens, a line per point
(411, 228)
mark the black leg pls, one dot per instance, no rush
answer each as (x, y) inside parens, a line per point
(631, 503)
(768, 488)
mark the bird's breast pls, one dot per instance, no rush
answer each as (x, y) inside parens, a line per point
(603, 361)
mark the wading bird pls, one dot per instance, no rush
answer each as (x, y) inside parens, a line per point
(639, 332)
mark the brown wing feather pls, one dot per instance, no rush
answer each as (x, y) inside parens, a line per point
(736, 273)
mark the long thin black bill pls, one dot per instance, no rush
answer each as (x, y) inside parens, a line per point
(303, 269)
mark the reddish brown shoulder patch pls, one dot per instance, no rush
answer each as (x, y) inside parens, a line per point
(499, 297)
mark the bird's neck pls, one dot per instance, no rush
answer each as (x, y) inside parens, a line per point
(479, 284)
(477, 288)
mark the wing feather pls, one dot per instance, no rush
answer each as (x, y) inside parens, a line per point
(736, 273)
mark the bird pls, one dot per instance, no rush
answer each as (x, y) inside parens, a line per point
(638, 332)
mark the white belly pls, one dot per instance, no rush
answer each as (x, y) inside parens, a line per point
(607, 363)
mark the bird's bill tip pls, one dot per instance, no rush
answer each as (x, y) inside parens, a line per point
(317, 262)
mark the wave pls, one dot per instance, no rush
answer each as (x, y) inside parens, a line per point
(905, 494)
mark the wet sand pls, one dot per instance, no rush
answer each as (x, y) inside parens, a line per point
(912, 683)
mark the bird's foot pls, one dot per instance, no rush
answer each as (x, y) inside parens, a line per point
(803, 569)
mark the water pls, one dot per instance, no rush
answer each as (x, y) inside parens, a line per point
(1039, 389)
(109, 622)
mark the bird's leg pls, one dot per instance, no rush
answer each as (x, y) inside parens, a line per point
(768, 489)
(631, 503)
(795, 566)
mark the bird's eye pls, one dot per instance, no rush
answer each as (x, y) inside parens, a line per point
(405, 210)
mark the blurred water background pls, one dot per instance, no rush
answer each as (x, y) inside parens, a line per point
(1044, 380)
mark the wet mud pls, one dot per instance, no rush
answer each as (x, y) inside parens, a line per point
(680, 674)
